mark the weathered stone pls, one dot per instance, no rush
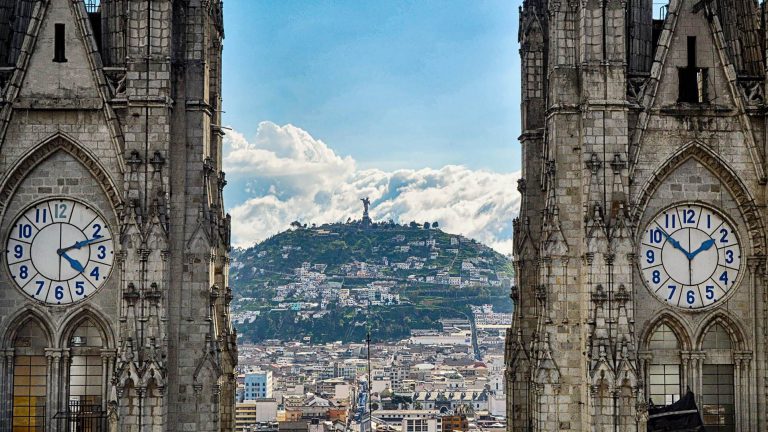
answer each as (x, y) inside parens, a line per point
(132, 114)
(619, 125)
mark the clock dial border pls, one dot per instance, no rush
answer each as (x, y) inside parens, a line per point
(80, 281)
(715, 292)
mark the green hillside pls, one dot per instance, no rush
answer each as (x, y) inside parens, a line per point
(331, 282)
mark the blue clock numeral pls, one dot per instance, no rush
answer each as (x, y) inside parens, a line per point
(669, 218)
(672, 291)
(650, 256)
(690, 297)
(724, 238)
(40, 285)
(656, 276)
(59, 292)
(23, 272)
(710, 292)
(95, 273)
(25, 231)
(79, 288)
(729, 257)
(96, 230)
(688, 216)
(41, 214)
(18, 251)
(724, 278)
(102, 252)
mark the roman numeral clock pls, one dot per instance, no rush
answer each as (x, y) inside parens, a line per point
(59, 251)
(690, 256)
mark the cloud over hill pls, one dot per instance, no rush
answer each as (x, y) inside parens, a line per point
(284, 174)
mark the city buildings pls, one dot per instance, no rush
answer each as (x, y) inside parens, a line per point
(415, 385)
(257, 385)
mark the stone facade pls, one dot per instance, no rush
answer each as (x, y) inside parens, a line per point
(117, 105)
(627, 110)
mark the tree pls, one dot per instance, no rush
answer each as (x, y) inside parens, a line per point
(435, 225)
(295, 224)
(426, 225)
(413, 224)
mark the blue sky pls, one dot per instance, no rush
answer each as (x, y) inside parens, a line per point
(414, 104)
(394, 84)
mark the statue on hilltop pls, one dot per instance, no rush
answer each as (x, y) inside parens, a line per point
(366, 219)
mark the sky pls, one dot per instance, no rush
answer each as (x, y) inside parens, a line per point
(412, 103)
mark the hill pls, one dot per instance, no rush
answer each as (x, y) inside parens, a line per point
(331, 282)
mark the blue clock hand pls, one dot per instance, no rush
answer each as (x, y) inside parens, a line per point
(73, 262)
(704, 246)
(81, 243)
(676, 244)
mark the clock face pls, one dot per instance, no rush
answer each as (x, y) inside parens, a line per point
(59, 251)
(690, 256)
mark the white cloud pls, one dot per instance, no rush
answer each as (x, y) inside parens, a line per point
(285, 174)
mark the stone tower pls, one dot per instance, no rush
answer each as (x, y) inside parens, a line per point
(640, 246)
(113, 290)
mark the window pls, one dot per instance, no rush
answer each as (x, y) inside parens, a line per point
(85, 370)
(59, 46)
(29, 379)
(92, 6)
(717, 338)
(717, 398)
(664, 338)
(664, 376)
(692, 79)
(664, 384)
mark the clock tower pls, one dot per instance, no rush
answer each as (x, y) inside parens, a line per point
(640, 246)
(113, 280)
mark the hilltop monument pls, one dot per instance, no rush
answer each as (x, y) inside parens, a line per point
(366, 218)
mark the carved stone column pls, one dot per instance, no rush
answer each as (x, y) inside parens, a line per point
(742, 395)
(55, 386)
(6, 389)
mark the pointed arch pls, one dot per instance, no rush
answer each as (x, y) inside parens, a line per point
(675, 323)
(21, 318)
(730, 75)
(26, 50)
(78, 317)
(734, 329)
(736, 187)
(38, 154)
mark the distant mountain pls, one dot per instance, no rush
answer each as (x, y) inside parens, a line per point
(334, 281)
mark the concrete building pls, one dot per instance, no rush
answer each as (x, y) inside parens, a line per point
(115, 299)
(255, 414)
(411, 420)
(640, 248)
(258, 385)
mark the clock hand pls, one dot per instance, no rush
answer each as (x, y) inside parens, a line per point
(676, 244)
(704, 246)
(73, 262)
(80, 244)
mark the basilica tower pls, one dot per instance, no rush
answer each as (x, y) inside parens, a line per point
(640, 246)
(113, 282)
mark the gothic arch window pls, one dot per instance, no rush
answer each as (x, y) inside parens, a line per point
(29, 379)
(717, 338)
(664, 371)
(86, 381)
(718, 402)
